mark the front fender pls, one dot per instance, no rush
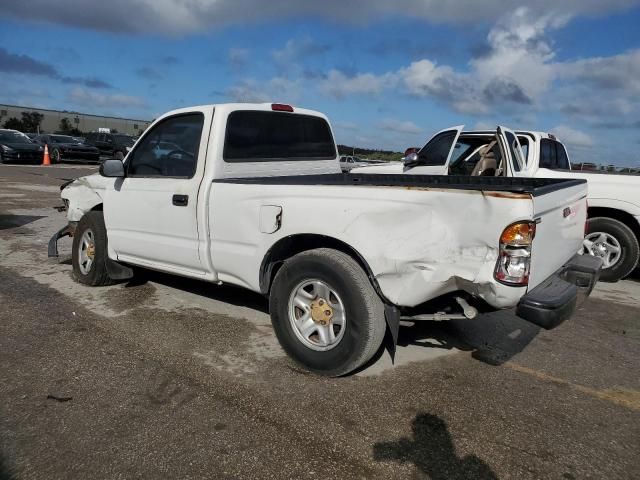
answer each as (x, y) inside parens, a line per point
(81, 196)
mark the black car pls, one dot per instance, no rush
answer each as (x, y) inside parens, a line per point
(16, 147)
(66, 147)
(114, 145)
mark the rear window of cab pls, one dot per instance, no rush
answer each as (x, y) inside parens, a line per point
(263, 136)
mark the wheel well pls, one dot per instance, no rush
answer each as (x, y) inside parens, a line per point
(287, 247)
(622, 216)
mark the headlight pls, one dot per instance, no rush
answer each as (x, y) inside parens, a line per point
(6, 149)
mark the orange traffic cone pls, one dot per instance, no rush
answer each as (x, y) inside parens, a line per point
(46, 160)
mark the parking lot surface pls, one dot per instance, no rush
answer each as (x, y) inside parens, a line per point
(163, 377)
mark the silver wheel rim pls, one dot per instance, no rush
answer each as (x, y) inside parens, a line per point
(603, 245)
(86, 252)
(317, 315)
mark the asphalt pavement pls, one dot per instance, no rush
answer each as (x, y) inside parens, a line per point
(163, 377)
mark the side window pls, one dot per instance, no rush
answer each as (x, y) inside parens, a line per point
(547, 154)
(170, 149)
(437, 150)
(561, 157)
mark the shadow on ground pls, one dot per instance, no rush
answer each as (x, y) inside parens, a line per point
(223, 293)
(493, 338)
(6, 472)
(432, 452)
(15, 221)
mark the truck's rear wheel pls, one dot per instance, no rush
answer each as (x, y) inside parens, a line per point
(325, 312)
(89, 252)
(615, 243)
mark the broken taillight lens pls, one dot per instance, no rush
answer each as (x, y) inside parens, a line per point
(514, 258)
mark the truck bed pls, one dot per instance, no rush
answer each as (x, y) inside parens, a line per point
(532, 186)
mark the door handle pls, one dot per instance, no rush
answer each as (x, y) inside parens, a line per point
(180, 200)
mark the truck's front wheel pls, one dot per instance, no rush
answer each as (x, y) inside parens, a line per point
(89, 252)
(325, 312)
(615, 243)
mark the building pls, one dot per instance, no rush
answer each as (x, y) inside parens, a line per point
(84, 122)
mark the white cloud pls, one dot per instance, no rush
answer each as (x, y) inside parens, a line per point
(346, 126)
(619, 73)
(297, 49)
(572, 137)
(278, 89)
(399, 126)
(238, 57)
(179, 16)
(339, 85)
(88, 98)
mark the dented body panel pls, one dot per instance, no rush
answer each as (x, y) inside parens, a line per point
(418, 244)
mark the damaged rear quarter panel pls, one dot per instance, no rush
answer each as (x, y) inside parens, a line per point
(418, 242)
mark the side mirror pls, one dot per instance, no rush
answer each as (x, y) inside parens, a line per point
(112, 168)
(411, 159)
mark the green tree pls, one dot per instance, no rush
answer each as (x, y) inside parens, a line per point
(65, 125)
(66, 128)
(13, 124)
(31, 121)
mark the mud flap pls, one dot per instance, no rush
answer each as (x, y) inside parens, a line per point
(117, 271)
(392, 317)
(52, 247)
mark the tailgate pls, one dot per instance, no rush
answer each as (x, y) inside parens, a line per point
(560, 215)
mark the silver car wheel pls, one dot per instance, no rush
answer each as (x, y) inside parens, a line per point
(603, 245)
(87, 252)
(317, 315)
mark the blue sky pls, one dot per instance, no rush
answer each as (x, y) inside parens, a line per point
(388, 74)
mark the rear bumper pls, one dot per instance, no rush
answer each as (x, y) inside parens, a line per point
(555, 299)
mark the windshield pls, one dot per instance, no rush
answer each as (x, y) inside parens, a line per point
(124, 139)
(14, 137)
(63, 139)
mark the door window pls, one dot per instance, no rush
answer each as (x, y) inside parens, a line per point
(437, 150)
(516, 151)
(170, 149)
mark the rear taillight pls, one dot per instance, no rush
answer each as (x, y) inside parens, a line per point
(514, 259)
(281, 107)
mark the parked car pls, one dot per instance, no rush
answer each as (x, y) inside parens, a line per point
(348, 162)
(613, 227)
(16, 147)
(66, 147)
(254, 198)
(113, 145)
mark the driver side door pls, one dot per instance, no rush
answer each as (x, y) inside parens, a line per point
(434, 157)
(151, 214)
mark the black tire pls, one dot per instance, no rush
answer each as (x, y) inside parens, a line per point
(97, 272)
(630, 251)
(55, 156)
(364, 311)
(119, 155)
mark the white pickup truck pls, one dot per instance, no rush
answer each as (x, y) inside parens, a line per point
(252, 196)
(613, 227)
